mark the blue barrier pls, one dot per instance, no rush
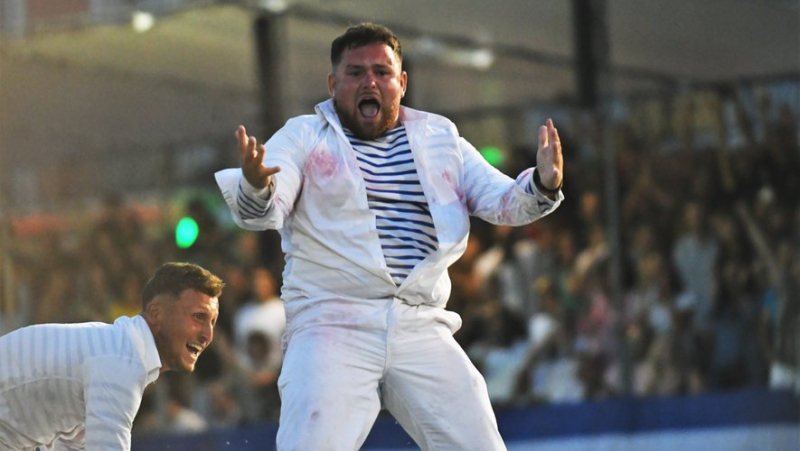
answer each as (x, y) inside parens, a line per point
(774, 416)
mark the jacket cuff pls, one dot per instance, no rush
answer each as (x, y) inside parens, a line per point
(264, 193)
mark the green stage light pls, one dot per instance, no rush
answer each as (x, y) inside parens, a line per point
(186, 232)
(492, 155)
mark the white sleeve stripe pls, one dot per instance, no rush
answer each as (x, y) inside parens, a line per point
(89, 342)
(109, 386)
(107, 444)
(109, 416)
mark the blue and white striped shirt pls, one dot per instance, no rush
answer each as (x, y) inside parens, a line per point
(395, 196)
(80, 384)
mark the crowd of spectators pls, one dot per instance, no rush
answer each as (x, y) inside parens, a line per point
(709, 267)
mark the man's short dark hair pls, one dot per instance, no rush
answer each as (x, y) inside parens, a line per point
(364, 34)
(173, 278)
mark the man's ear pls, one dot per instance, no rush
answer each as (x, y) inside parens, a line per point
(331, 84)
(154, 310)
(403, 83)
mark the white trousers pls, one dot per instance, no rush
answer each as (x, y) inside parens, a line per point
(336, 378)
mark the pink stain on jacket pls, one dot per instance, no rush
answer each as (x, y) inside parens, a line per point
(452, 184)
(278, 204)
(526, 172)
(320, 164)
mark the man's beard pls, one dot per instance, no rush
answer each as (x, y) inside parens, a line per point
(371, 132)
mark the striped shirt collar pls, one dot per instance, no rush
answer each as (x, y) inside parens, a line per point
(386, 135)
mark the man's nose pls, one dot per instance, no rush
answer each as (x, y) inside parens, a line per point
(207, 334)
(370, 79)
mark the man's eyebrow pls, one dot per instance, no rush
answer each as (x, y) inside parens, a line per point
(359, 65)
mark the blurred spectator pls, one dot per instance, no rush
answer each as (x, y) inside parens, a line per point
(567, 281)
(498, 270)
(736, 361)
(498, 351)
(680, 358)
(466, 295)
(223, 393)
(247, 251)
(128, 302)
(590, 216)
(238, 290)
(180, 418)
(509, 267)
(596, 318)
(651, 298)
(210, 238)
(591, 373)
(694, 256)
(537, 257)
(263, 313)
(260, 372)
(224, 409)
(549, 368)
(56, 291)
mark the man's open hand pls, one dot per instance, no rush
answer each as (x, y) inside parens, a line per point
(251, 155)
(549, 161)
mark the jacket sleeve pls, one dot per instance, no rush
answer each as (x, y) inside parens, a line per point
(499, 199)
(254, 209)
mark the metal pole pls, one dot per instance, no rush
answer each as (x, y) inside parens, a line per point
(7, 302)
(269, 32)
(595, 85)
(612, 198)
(270, 40)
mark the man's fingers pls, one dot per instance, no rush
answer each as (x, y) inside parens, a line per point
(265, 173)
(241, 137)
(249, 150)
(252, 159)
(549, 159)
(542, 137)
(270, 170)
(555, 145)
(247, 145)
(552, 132)
(259, 153)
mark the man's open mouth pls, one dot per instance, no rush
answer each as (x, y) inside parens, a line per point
(195, 350)
(369, 107)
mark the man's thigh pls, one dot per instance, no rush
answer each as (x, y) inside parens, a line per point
(435, 392)
(329, 388)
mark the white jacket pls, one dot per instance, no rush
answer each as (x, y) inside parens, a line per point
(328, 231)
